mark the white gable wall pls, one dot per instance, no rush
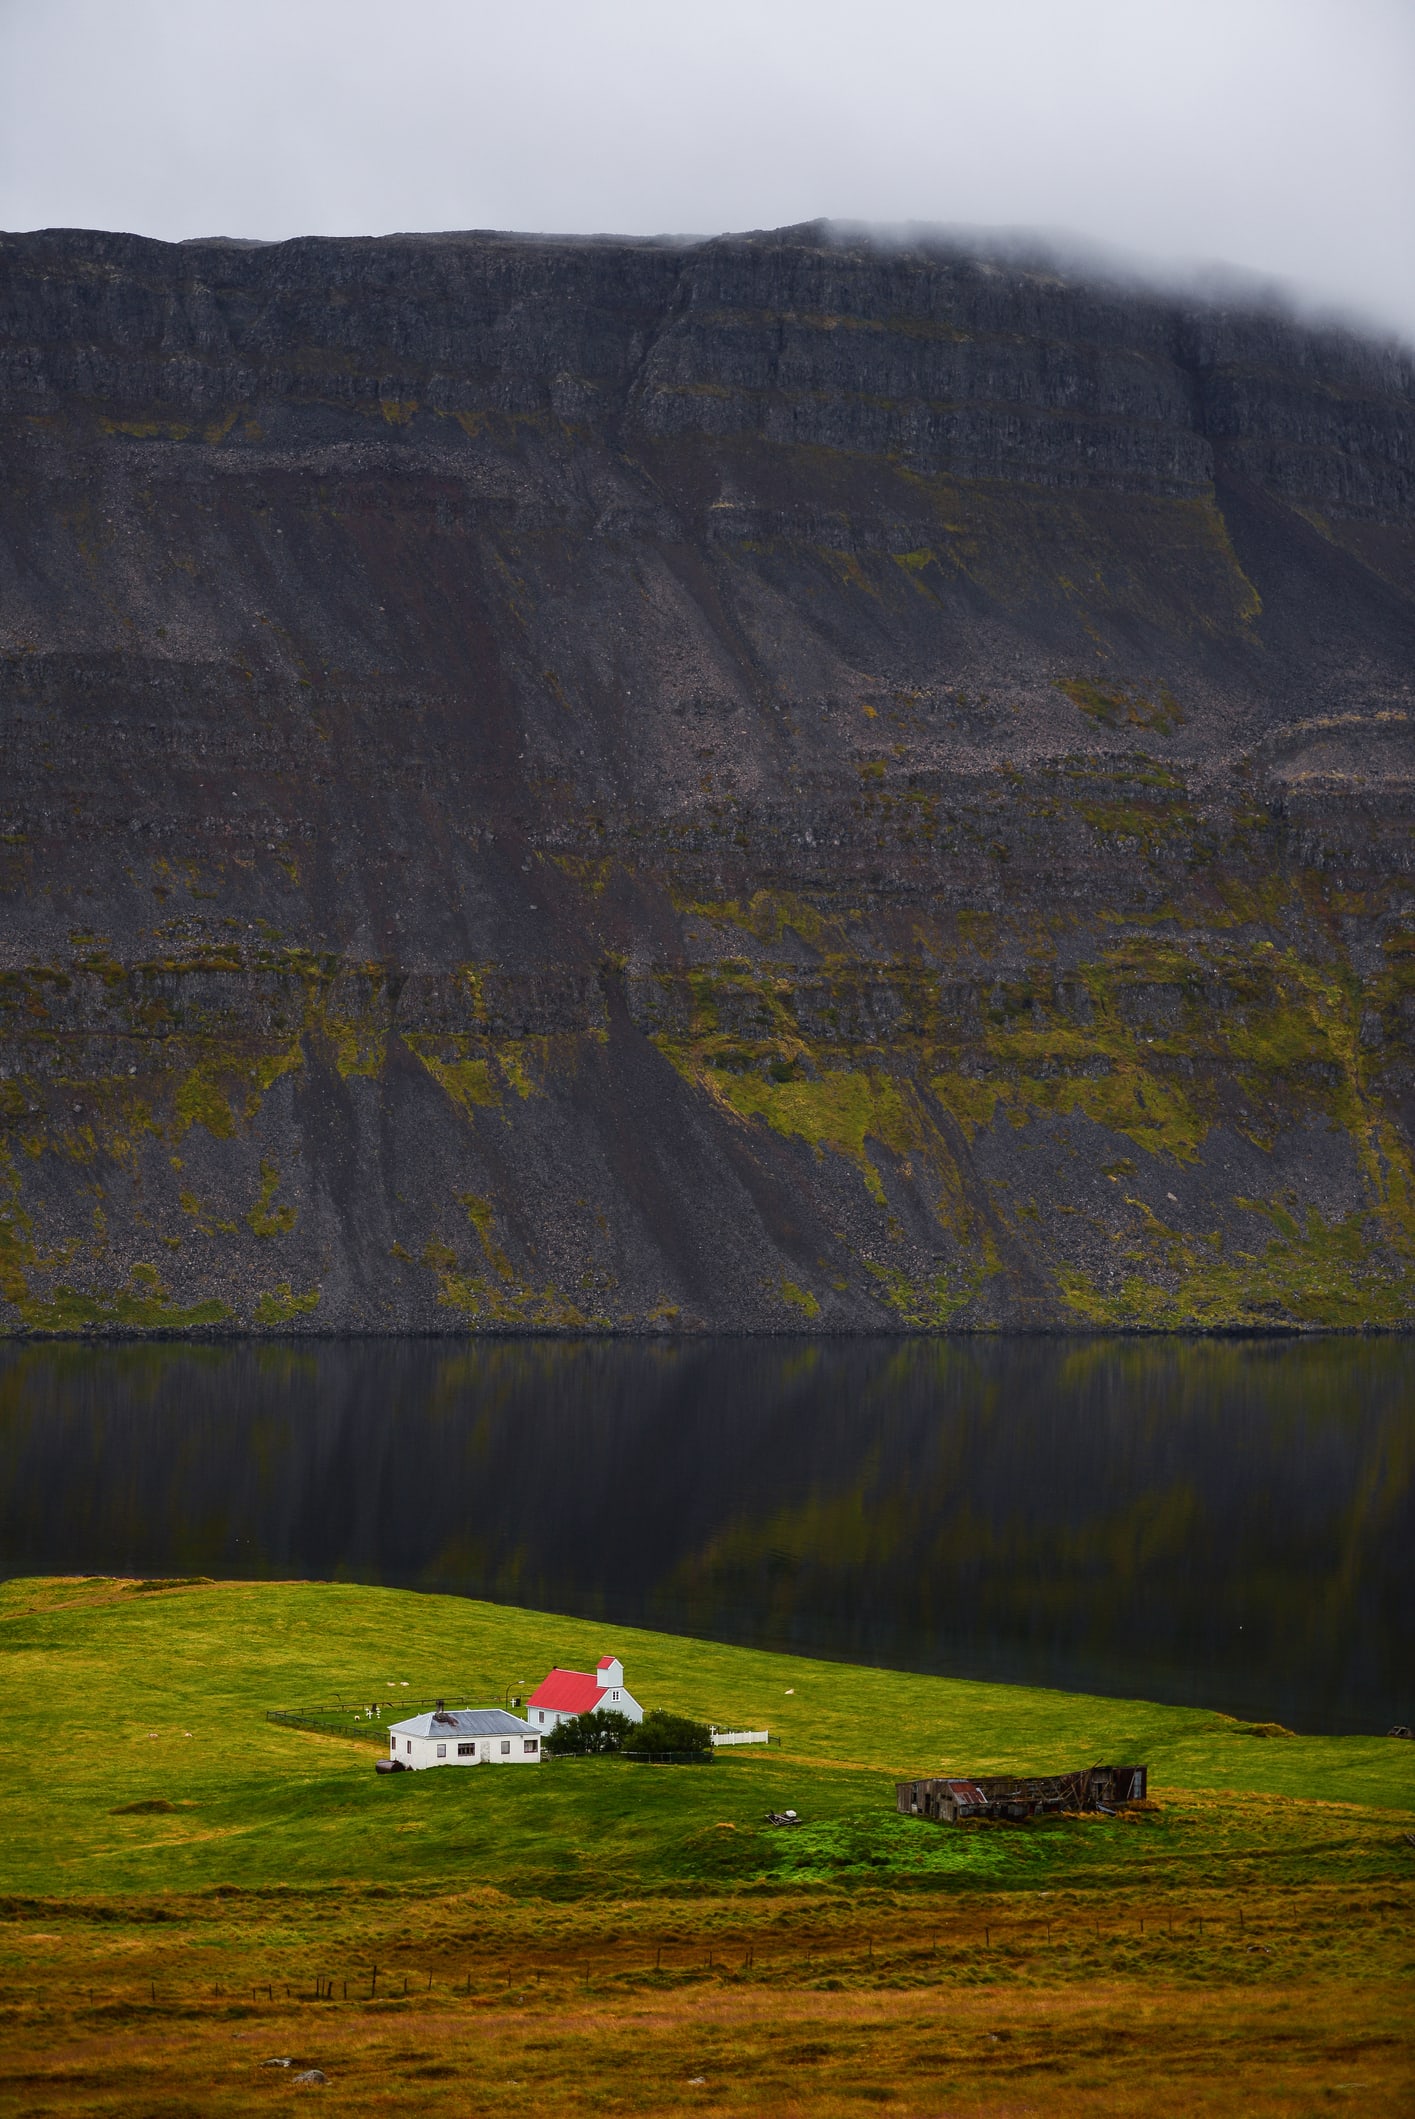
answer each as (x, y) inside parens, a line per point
(419, 1752)
(612, 1700)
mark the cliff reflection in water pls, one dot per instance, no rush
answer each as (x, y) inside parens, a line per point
(1224, 1522)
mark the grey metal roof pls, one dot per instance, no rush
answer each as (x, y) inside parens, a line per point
(463, 1721)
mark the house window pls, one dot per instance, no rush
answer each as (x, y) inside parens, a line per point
(466, 1751)
(531, 1743)
(506, 1746)
(410, 1743)
(442, 1751)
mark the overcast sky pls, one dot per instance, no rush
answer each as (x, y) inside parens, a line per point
(1275, 135)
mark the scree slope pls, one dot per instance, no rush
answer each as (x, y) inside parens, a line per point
(655, 785)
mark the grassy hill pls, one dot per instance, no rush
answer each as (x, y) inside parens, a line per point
(160, 1696)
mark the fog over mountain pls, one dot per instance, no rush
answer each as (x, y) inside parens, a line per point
(1270, 135)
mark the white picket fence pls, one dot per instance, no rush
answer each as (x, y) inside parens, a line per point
(741, 1736)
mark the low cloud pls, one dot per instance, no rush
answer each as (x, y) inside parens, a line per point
(1271, 136)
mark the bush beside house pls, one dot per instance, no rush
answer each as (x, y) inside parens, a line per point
(659, 1734)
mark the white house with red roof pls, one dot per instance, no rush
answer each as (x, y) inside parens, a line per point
(566, 1693)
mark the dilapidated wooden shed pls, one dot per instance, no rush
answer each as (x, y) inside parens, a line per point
(949, 1801)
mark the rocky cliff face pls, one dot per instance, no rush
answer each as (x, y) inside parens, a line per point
(580, 784)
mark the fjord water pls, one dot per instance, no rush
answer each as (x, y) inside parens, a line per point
(1222, 1522)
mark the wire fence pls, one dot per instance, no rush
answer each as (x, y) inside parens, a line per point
(370, 1720)
(631, 1758)
(1143, 1939)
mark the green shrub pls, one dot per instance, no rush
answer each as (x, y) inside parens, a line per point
(659, 1731)
(588, 1734)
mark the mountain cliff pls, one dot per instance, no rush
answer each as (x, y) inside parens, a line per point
(745, 784)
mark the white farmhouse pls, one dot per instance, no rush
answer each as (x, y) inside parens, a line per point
(566, 1693)
(461, 1736)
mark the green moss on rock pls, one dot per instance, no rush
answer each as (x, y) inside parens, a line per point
(282, 1305)
(1312, 1274)
(144, 1304)
(265, 1218)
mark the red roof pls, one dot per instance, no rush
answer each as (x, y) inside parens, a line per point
(606, 1662)
(568, 1692)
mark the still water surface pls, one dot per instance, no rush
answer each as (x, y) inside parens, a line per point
(1230, 1523)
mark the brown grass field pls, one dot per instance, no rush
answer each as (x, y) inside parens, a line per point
(169, 2007)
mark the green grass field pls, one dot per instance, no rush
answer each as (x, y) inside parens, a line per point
(162, 1696)
(178, 1874)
